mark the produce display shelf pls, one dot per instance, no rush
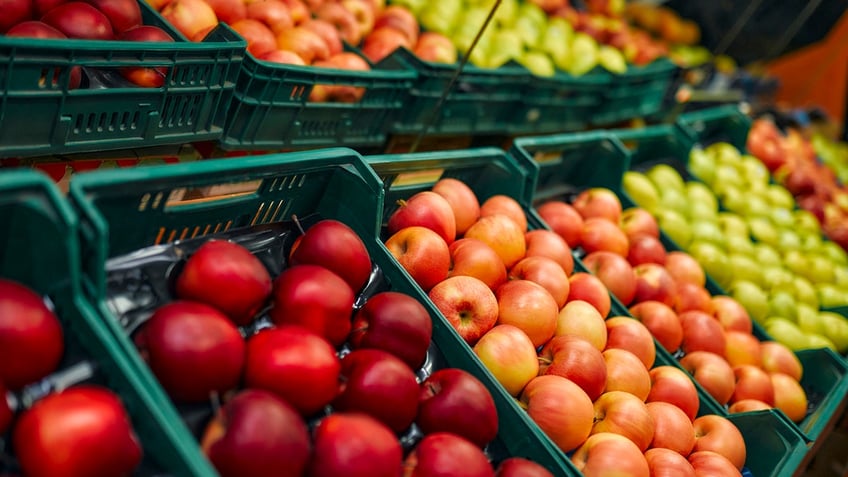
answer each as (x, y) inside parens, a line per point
(40, 113)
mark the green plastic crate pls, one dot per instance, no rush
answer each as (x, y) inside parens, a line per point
(39, 115)
(271, 108)
(720, 124)
(637, 93)
(39, 248)
(332, 183)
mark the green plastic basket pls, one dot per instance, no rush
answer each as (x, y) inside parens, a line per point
(40, 249)
(39, 115)
(720, 124)
(637, 93)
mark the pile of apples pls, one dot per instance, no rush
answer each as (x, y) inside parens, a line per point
(319, 388)
(79, 431)
(88, 20)
(539, 328)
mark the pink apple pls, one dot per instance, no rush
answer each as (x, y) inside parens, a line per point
(607, 453)
(654, 283)
(424, 209)
(646, 249)
(622, 413)
(670, 384)
(636, 222)
(615, 273)
(463, 201)
(576, 359)
(589, 288)
(692, 297)
(712, 464)
(502, 234)
(718, 434)
(748, 405)
(528, 306)
(626, 372)
(789, 396)
(475, 258)
(661, 321)
(752, 383)
(712, 372)
(521, 467)
(600, 234)
(778, 358)
(581, 319)
(668, 463)
(684, 268)
(504, 205)
(545, 272)
(547, 243)
(510, 356)
(561, 409)
(563, 219)
(598, 202)
(672, 428)
(469, 305)
(742, 348)
(731, 314)
(424, 254)
(702, 332)
(626, 333)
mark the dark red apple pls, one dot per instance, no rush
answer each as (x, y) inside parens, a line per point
(79, 20)
(146, 77)
(37, 29)
(14, 12)
(442, 454)
(122, 14)
(453, 400)
(6, 413)
(354, 445)
(394, 322)
(521, 467)
(43, 6)
(334, 245)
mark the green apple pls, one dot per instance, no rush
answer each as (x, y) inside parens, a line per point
(782, 218)
(673, 199)
(532, 12)
(745, 268)
(701, 165)
(836, 253)
(811, 242)
(612, 59)
(556, 40)
(584, 54)
(740, 245)
(805, 292)
(831, 296)
(752, 298)
(467, 28)
(840, 277)
(666, 178)
(414, 6)
(835, 327)
(712, 259)
(701, 193)
(756, 206)
(733, 198)
(820, 270)
(807, 317)
(733, 224)
(506, 13)
(441, 16)
(529, 30)
(506, 45)
(674, 225)
(816, 341)
(765, 254)
(539, 63)
(786, 332)
(779, 197)
(643, 192)
(775, 278)
(763, 230)
(805, 220)
(754, 172)
(796, 261)
(724, 152)
(728, 175)
(783, 304)
(788, 240)
(700, 211)
(706, 231)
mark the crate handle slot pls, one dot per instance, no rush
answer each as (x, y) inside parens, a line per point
(416, 178)
(185, 196)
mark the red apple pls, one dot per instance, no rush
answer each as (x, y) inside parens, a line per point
(282, 56)
(294, 363)
(661, 321)
(306, 43)
(363, 13)
(273, 13)
(607, 453)
(752, 383)
(425, 209)
(789, 396)
(382, 42)
(475, 258)
(509, 355)
(463, 201)
(342, 93)
(257, 433)
(654, 283)
(731, 314)
(435, 47)
(34, 29)
(626, 333)
(576, 359)
(190, 17)
(712, 372)
(668, 463)
(748, 405)
(615, 273)
(521, 467)
(424, 254)
(145, 77)
(400, 18)
(468, 304)
(528, 306)
(623, 413)
(393, 322)
(443, 453)
(702, 332)
(670, 384)
(712, 464)
(692, 297)
(545, 272)
(598, 202)
(260, 39)
(684, 268)
(228, 11)
(561, 409)
(778, 358)
(14, 12)
(600, 234)
(626, 372)
(31, 338)
(122, 14)
(547, 243)
(227, 276)
(635, 222)
(80, 20)
(718, 434)
(453, 400)
(193, 349)
(562, 219)
(343, 19)
(589, 288)
(502, 234)
(742, 348)
(354, 444)
(646, 249)
(505, 205)
(581, 319)
(672, 427)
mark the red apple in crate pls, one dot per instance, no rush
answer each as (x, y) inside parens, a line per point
(509, 355)
(356, 445)
(189, 17)
(257, 433)
(475, 258)
(282, 56)
(79, 20)
(560, 408)
(468, 304)
(393, 322)
(600, 234)
(260, 39)
(424, 209)
(712, 372)
(775, 357)
(661, 321)
(297, 9)
(31, 338)
(562, 219)
(122, 14)
(607, 453)
(547, 243)
(14, 12)
(146, 77)
(502, 234)
(635, 222)
(6, 413)
(343, 19)
(668, 463)
(193, 349)
(545, 272)
(306, 43)
(328, 32)
(702, 332)
(273, 13)
(742, 348)
(672, 427)
(382, 42)
(78, 432)
(294, 363)
(626, 372)
(581, 319)
(615, 273)
(748, 405)
(718, 434)
(589, 288)
(684, 268)
(622, 413)
(453, 400)
(712, 464)
(521, 467)
(576, 359)
(752, 383)
(363, 13)
(34, 29)
(463, 201)
(645, 249)
(528, 306)
(400, 18)
(443, 453)
(731, 314)
(434, 47)
(228, 11)
(424, 254)
(789, 396)
(157, 5)
(343, 93)
(598, 202)
(505, 205)
(227, 276)
(377, 383)
(654, 283)
(670, 384)
(626, 333)
(692, 297)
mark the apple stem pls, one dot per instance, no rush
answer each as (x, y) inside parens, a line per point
(297, 224)
(401, 203)
(521, 404)
(543, 360)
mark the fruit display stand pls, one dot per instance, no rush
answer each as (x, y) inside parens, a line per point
(130, 209)
(775, 445)
(41, 251)
(42, 113)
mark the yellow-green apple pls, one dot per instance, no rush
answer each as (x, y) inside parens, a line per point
(377, 383)
(510, 356)
(400, 18)
(712, 372)
(626, 372)
(670, 384)
(718, 434)
(424, 209)
(581, 319)
(645, 249)
(453, 400)
(676, 226)
(623, 413)
(528, 306)
(702, 332)
(692, 297)
(505, 205)
(672, 427)
(667, 463)
(393, 322)
(615, 273)
(747, 405)
(546, 243)
(424, 254)
(684, 268)
(589, 288)
(273, 13)
(521, 467)
(363, 12)
(255, 433)
(335, 246)
(742, 348)
(339, 16)
(339, 447)
(560, 408)
(752, 383)
(624, 332)
(731, 314)
(545, 272)
(563, 219)
(306, 43)
(607, 453)
(641, 189)
(789, 396)
(598, 202)
(463, 201)
(434, 47)
(653, 282)
(475, 258)
(661, 321)
(469, 305)
(636, 221)
(578, 360)
(712, 464)
(502, 234)
(600, 234)
(444, 453)
(778, 358)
